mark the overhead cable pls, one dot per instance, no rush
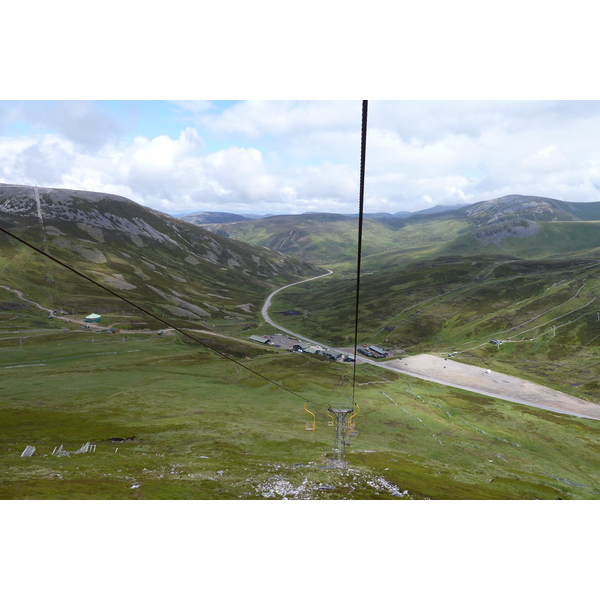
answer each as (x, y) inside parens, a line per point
(150, 314)
(363, 152)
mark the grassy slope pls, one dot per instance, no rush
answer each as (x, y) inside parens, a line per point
(332, 239)
(183, 405)
(551, 239)
(188, 293)
(459, 304)
(204, 428)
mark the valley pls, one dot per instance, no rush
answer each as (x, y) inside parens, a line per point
(193, 423)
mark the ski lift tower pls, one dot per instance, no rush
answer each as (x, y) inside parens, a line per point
(341, 411)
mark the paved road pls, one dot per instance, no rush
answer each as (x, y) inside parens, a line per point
(268, 301)
(429, 368)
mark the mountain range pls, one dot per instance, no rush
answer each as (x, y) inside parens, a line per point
(511, 284)
(527, 226)
(202, 218)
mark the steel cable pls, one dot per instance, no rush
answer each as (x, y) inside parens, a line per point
(363, 152)
(147, 312)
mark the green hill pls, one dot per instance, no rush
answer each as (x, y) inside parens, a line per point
(522, 226)
(328, 239)
(170, 419)
(202, 218)
(544, 311)
(167, 265)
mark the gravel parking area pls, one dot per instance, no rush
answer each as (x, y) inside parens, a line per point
(282, 340)
(486, 381)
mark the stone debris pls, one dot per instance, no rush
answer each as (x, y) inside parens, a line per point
(381, 484)
(279, 487)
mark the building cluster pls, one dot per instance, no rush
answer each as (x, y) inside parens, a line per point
(307, 348)
(373, 351)
(295, 345)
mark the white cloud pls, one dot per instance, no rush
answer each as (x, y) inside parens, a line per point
(255, 118)
(39, 160)
(296, 156)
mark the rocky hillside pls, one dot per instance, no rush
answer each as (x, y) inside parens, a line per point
(532, 208)
(528, 227)
(163, 261)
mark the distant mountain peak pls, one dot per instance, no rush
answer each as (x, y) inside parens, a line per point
(531, 208)
(205, 217)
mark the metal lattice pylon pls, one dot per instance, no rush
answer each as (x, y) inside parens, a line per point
(341, 412)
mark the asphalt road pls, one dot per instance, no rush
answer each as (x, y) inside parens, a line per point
(268, 301)
(467, 377)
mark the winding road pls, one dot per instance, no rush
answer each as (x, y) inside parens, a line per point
(433, 368)
(267, 305)
(466, 377)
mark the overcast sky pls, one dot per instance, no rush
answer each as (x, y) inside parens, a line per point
(297, 156)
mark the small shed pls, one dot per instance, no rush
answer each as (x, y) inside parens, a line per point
(93, 318)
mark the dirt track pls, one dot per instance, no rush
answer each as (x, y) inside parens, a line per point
(492, 383)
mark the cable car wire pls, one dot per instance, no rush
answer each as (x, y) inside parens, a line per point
(149, 313)
(363, 153)
(195, 339)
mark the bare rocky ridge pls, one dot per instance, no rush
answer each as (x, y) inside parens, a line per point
(145, 251)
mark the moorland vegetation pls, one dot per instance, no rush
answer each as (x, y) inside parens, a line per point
(169, 418)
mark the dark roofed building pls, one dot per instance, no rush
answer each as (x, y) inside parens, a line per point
(301, 346)
(260, 339)
(378, 351)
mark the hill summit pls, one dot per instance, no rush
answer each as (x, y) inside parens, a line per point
(533, 208)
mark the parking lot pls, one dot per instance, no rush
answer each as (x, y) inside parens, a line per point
(282, 340)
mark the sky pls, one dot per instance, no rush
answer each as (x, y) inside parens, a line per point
(286, 156)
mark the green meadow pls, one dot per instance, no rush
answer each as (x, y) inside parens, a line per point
(545, 312)
(169, 418)
(196, 425)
